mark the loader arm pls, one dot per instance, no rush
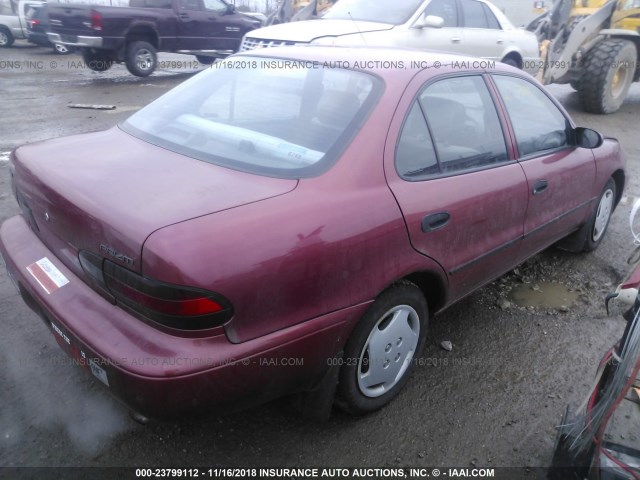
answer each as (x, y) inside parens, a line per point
(565, 49)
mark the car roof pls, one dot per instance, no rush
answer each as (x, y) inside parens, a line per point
(383, 61)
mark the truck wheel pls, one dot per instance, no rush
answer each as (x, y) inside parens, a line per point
(380, 353)
(6, 39)
(205, 60)
(608, 72)
(96, 60)
(141, 59)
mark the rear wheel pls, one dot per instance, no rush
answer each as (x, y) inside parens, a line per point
(512, 62)
(6, 39)
(141, 59)
(378, 357)
(608, 72)
(96, 60)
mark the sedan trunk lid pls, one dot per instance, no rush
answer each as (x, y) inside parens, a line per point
(107, 192)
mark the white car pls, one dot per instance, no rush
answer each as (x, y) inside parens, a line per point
(470, 27)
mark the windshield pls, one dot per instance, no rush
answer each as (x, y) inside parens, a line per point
(384, 11)
(268, 116)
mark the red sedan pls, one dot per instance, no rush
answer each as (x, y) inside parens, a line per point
(288, 220)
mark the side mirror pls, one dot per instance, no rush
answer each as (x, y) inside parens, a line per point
(231, 8)
(588, 138)
(429, 21)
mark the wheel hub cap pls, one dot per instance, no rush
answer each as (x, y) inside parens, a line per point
(388, 351)
(602, 215)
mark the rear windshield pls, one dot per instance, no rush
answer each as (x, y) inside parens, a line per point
(267, 116)
(395, 12)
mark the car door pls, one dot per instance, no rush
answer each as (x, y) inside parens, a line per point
(448, 38)
(560, 176)
(482, 34)
(462, 195)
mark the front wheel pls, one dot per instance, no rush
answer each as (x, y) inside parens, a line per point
(599, 221)
(6, 38)
(141, 59)
(380, 353)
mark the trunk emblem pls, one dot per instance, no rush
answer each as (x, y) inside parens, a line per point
(111, 251)
(46, 216)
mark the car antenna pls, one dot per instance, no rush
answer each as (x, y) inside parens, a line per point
(357, 28)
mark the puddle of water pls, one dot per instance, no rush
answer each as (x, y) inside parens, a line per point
(4, 156)
(543, 294)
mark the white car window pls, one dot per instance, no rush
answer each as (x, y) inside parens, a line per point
(445, 9)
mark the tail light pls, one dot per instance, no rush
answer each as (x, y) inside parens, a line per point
(96, 20)
(175, 306)
(34, 22)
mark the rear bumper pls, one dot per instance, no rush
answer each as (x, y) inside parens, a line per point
(76, 41)
(161, 375)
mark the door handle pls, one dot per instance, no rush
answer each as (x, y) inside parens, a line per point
(539, 187)
(500, 41)
(184, 16)
(455, 40)
(435, 221)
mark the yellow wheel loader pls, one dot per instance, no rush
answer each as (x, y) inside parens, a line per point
(594, 45)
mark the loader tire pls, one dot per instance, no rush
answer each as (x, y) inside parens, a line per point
(607, 75)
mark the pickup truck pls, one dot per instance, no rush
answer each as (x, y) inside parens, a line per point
(14, 26)
(208, 29)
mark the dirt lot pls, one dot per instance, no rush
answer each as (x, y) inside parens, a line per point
(493, 401)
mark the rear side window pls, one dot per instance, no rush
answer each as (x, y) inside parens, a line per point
(446, 9)
(538, 124)
(473, 14)
(492, 21)
(458, 130)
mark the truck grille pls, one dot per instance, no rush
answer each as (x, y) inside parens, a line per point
(254, 43)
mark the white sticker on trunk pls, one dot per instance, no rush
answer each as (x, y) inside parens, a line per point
(47, 275)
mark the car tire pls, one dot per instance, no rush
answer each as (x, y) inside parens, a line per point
(603, 88)
(96, 60)
(6, 38)
(205, 60)
(597, 225)
(379, 355)
(141, 59)
(512, 62)
(62, 49)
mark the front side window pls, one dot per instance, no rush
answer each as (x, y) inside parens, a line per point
(215, 6)
(270, 118)
(453, 127)
(445, 9)
(192, 5)
(538, 124)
